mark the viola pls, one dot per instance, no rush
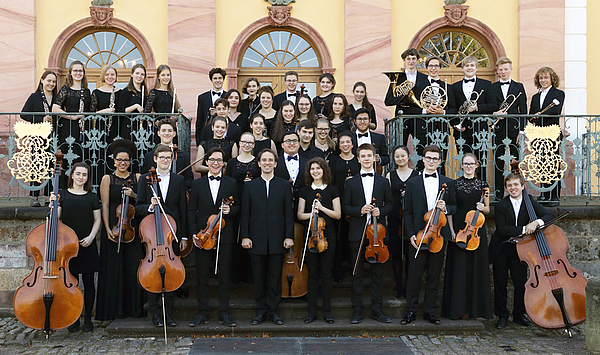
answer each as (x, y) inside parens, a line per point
(207, 238)
(318, 241)
(123, 231)
(49, 298)
(294, 282)
(378, 166)
(161, 270)
(376, 252)
(248, 175)
(468, 237)
(430, 238)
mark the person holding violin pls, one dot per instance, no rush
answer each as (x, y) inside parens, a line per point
(119, 294)
(317, 178)
(357, 202)
(267, 231)
(365, 135)
(467, 291)
(200, 208)
(171, 192)
(421, 197)
(79, 209)
(512, 219)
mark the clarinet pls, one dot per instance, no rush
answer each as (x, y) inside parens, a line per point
(111, 105)
(81, 107)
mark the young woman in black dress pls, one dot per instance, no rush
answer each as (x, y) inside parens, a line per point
(265, 95)
(119, 294)
(339, 117)
(361, 101)
(80, 210)
(235, 116)
(104, 100)
(317, 179)
(467, 291)
(251, 104)
(129, 100)
(285, 121)
(258, 129)
(322, 139)
(219, 127)
(398, 243)
(40, 101)
(160, 99)
(322, 103)
(305, 109)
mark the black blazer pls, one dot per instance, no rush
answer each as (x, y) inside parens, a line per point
(174, 205)
(201, 206)
(267, 221)
(354, 200)
(244, 106)
(233, 133)
(450, 105)
(459, 95)
(401, 102)
(202, 112)
(183, 160)
(507, 227)
(35, 104)
(415, 205)
(380, 143)
(554, 93)
(280, 98)
(494, 99)
(282, 172)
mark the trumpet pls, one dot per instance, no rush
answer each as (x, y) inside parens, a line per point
(466, 106)
(404, 89)
(504, 106)
(433, 96)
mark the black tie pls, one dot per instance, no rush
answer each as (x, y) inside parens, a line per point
(361, 135)
(505, 83)
(294, 94)
(366, 174)
(469, 80)
(218, 178)
(431, 175)
(217, 93)
(295, 157)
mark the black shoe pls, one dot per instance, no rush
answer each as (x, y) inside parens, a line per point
(501, 323)
(431, 318)
(522, 320)
(88, 326)
(182, 292)
(199, 320)
(276, 319)
(171, 322)
(157, 321)
(380, 317)
(328, 318)
(74, 328)
(408, 318)
(356, 317)
(226, 320)
(258, 319)
(312, 316)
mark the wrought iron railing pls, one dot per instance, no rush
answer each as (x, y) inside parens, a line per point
(90, 146)
(579, 147)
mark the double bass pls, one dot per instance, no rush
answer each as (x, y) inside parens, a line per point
(468, 237)
(123, 231)
(294, 282)
(430, 237)
(49, 298)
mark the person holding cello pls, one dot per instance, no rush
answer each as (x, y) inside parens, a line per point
(200, 210)
(326, 199)
(421, 197)
(512, 220)
(359, 193)
(171, 191)
(467, 292)
(267, 231)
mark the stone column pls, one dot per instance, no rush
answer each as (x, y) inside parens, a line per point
(592, 310)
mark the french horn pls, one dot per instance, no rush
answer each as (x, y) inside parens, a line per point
(404, 89)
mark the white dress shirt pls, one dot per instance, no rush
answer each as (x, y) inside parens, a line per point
(543, 94)
(267, 183)
(214, 185)
(431, 185)
(293, 166)
(411, 76)
(215, 95)
(516, 204)
(163, 185)
(363, 140)
(290, 96)
(368, 183)
(469, 87)
(505, 88)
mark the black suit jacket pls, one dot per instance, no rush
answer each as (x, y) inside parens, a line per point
(380, 143)
(244, 106)
(401, 102)
(459, 95)
(233, 133)
(202, 112)
(421, 85)
(183, 160)
(267, 221)
(553, 93)
(494, 99)
(280, 98)
(415, 205)
(201, 206)
(174, 205)
(282, 172)
(354, 199)
(507, 227)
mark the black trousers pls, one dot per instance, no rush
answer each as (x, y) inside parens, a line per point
(266, 270)
(509, 260)
(432, 262)
(206, 267)
(376, 279)
(324, 271)
(155, 303)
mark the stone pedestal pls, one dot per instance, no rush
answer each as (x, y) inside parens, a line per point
(592, 309)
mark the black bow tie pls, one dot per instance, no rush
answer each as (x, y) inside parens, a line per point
(218, 178)
(431, 175)
(290, 157)
(294, 94)
(360, 135)
(505, 83)
(366, 174)
(469, 80)
(439, 82)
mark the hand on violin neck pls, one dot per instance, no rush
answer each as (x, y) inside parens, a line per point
(129, 192)
(318, 205)
(288, 243)
(53, 197)
(375, 212)
(153, 202)
(226, 209)
(531, 227)
(441, 204)
(366, 209)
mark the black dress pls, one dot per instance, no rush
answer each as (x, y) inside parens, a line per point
(126, 98)
(78, 213)
(119, 294)
(467, 278)
(224, 144)
(323, 104)
(248, 109)
(269, 122)
(339, 128)
(68, 100)
(394, 223)
(260, 145)
(341, 169)
(238, 170)
(35, 103)
(159, 101)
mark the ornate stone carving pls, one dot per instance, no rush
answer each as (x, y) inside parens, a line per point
(279, 15)
(455, 14)
(32, 162)
(101, 16)
(543, 165)
(455, 2)
(282, 2)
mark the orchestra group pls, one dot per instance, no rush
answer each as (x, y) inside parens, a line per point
(270, 163)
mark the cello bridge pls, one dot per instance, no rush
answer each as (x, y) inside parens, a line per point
(551, 273)
(49, 277)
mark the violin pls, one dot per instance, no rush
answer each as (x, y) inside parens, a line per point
(468, 237)
(430, 237)
(376, 252)
(294, 281)
(207, 238)
(49, 298)
(123, 231)
(318, 241)
(302, 88)
(378, 166)
(248, 175)
(174, 162)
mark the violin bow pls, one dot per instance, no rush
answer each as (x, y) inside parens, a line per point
(165, 213)
(428, 224)
(192, 164)
(312, 210)
(550, 222)
(219, 237)
(121, 222)
(362, 240)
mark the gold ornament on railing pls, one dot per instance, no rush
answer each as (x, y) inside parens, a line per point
(543, 165)
(32, 162)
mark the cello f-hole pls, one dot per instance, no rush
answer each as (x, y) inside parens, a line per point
(537, 280)
(35, 278)
(64, 270)
(151, 253)
(560, 261)
(170, 256)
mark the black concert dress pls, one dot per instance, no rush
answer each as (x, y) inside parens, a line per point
(260, 145)
(323, 104)
(337, 128)
(159, 101)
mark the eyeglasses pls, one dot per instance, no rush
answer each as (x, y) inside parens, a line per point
(291, 141)
(433, 66)
(164, 158)
(469, 164)
(362, 118)
(431, 159)
(120, 161)
(213, 160)
(246, 143)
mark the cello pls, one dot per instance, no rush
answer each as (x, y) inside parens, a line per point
(430, 237)
(123, 231)
(294, 282)
(49, 298)
(468, 237)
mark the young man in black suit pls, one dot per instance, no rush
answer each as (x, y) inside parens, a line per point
(364, 135)
(357, 202)
(421, 194)
(508, 125)
(307, 150)
(167, 130)
(267, 231)
(290, 166)
(206, 197)
(207, 99)
(171, 191)
(291, 83)
(512, 220)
